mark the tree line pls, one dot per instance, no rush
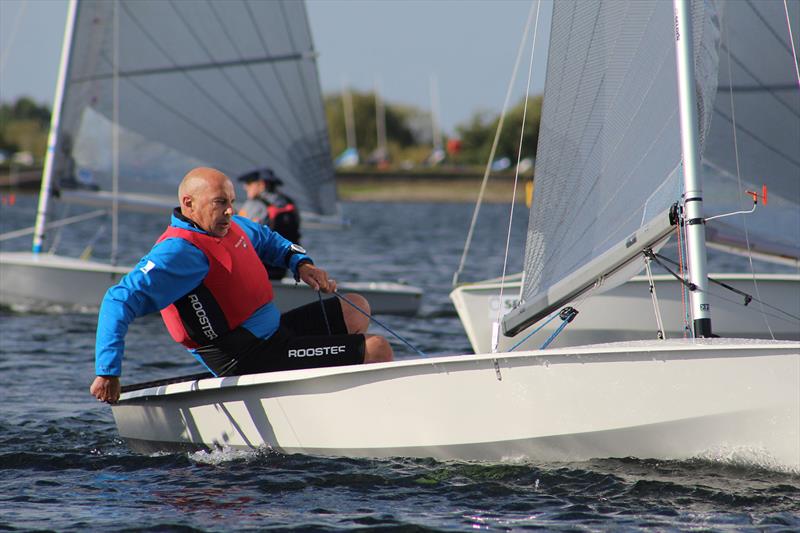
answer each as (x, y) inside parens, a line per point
(409, 131)
(24, 126)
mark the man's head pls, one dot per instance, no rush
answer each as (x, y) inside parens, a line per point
(206, 197)
(259, 181)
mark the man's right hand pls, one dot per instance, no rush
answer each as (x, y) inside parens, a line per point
(106, 389)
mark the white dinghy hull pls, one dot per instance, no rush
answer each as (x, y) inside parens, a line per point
(36, 281)
(716, 399)
(626, 312)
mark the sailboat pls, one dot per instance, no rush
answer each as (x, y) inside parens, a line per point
(621, 134)
(747, 303)
(148, 90)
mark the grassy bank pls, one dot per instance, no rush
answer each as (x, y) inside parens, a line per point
(426, 189)
(366, 187)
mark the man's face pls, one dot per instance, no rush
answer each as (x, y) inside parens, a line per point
(212, 207)
(254, 188)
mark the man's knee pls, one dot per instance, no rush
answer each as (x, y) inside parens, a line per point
(355, 320)
(378, 350)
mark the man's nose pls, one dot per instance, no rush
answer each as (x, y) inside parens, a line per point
(229, 211)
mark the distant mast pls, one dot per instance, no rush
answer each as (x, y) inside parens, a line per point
(382, 153)
(438, 153)
(348, 158)
(53, 136)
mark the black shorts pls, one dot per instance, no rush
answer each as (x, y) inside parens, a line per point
(303, 340)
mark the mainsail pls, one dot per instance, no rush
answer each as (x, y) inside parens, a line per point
(609, 156)
(758, 91)
(229, 84)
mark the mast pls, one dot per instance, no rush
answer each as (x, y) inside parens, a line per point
(380, 122)
(115, 143)
(693, 190)
(349, 120)
(437, 132)
(53, 136)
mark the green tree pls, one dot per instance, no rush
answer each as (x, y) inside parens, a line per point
(24, 126)
(478, 134)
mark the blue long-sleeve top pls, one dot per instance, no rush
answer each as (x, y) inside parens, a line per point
(171, 269)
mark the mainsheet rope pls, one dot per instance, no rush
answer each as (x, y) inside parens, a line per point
(372, 318)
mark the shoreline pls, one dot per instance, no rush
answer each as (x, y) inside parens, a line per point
(428, 189)
(445, 187)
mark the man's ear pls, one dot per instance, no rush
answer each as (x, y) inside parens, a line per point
(186, 202)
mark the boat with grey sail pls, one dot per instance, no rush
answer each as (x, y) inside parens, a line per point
(148, 90)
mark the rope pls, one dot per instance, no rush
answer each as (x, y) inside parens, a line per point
(378, 322)
(492, 152)
(566, 314)
(532, 333)
(324, 313)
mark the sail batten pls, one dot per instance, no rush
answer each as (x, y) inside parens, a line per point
(199, 66)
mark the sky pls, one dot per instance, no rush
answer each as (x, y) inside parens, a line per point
(467, 46)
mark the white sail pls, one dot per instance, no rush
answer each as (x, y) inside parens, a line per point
(609, 154)
(229, 84)
(758, 91)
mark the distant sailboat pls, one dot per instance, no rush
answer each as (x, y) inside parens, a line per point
(146, 91)
(754, 82)
(618, 149)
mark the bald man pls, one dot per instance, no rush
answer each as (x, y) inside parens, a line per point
(206, 276)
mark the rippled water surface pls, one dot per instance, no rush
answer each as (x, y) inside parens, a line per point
(62, 466)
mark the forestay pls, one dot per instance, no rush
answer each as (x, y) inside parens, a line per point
(229, 84)
(608, 160)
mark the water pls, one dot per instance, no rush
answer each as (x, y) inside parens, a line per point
(62, 466)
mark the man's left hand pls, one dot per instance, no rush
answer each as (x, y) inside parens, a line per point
(316, 278)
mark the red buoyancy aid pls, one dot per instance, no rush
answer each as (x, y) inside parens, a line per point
(273, 210)
(236, 285)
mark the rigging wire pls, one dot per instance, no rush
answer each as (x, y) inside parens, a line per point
(516, 173)
(740, 186)
(747, 297)
(662, 333)
(488, 169)
(791, 39)
(10, 39)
